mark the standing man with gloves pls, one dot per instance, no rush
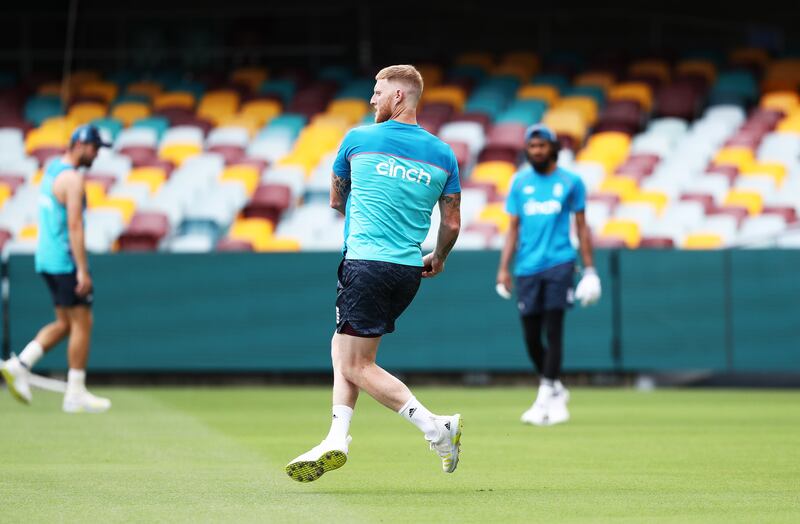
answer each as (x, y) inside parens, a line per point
(540, 203)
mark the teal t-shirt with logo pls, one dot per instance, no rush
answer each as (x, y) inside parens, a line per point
(397, 174)
(543, 204)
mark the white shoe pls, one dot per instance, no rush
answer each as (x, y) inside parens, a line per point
(558, 412)
(326, 456)
(84, 402)
(448, 447)
(537, 414)
(16, 377)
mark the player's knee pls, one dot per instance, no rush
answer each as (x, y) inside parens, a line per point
(62, 326)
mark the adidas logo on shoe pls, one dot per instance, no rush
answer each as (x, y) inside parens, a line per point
(447, 425)
(411, 412)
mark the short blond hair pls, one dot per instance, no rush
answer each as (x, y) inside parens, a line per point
(405, 74)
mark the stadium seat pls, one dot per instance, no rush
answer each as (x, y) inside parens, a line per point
(626, 230)
(144, 233)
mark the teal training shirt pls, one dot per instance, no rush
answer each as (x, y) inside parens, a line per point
(53, 254)
(397, 172)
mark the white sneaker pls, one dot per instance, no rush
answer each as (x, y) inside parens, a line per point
(16, 377)
(324, 457)
(558, 412)
(537, 414)
(84, 402)
(448, 447)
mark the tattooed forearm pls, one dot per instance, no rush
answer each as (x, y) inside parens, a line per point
(340, 190)
(450, 209)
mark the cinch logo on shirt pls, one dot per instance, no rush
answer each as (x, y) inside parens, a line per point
(394, 169)
(548, 207)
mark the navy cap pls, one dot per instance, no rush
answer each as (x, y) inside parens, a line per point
(89, 134)
(540, 131)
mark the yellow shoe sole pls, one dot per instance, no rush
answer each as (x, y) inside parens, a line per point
(9, 378)
(309, 471)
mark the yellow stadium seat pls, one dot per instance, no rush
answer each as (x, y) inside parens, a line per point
(85, 112)
(741, 157)
(307, 161)
(483, 60)
(527, 59)
(774, 169)
(333, 121)
(125, 206)
(216, 105)
(495, 214)
(622, 186)
(178, 153)
(246, 175)
(106, 90)
(180, 99)
(261, 110)
(84, 76)
(637, 91)
(152, 177)
(653, 68)
(252, 77)
(790, 124)
(585, 104)
(748, 55)
(5, 194)
(656, 199)
(751, 200)
(609, 158)
(432, 75)
(277, 245)
(786, 101)
(702, 68)
(567, 121)
(146, 88)
(130, 112)
(496, 172)
(29, 232)
(702, 241)
(352, 109)
(453, 95)
(615, 143)
(546, 93)
(95, 193)
(598, 79)
(248, 123)
(626, 230)
(257, 231)
(37, 177)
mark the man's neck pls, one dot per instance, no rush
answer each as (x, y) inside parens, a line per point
(404, 115)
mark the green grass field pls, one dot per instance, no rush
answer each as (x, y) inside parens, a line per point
(217, 455)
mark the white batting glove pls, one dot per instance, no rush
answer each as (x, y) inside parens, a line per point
(588, 291)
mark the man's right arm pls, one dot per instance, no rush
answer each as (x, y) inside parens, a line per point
(340, 190)
(449, 227)
(73, 199)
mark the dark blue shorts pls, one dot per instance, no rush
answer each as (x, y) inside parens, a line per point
(62, 290)
(547, 290)
(371, 295)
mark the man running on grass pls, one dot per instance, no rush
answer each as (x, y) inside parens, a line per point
(387, 178)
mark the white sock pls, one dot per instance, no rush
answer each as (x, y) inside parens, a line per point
(31, 354)
(340, 426)
(419, 415)
(76, 381)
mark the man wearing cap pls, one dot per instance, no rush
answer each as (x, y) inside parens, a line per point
(542, 198)
(61, 260)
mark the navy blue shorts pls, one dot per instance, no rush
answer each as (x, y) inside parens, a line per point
(62, 290)
(547, 290)
(371, 295)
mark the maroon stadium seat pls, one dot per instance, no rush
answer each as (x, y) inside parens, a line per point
(166, 165)
(5, 236)
(139, 155)
(42, 154)
(259, 163)
(737, 212)
(788, 213)
(509, 135)
(609, 243)
(677, 100)
(144, 232)
(269, 202)
(104, 180)
(431, 124)
(229, 244)
(499, 153)
(231, 154)
(730, 171)
(607, 198)
(657, 243)
(461, 150)
(479, 118)
(437, 110)
(706, 200)
(12, 181)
